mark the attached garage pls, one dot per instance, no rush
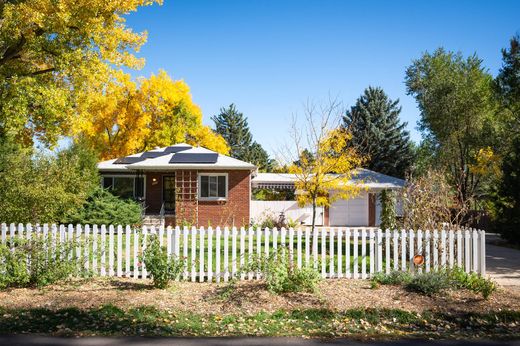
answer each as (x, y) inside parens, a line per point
(350, 212)
(362, 211)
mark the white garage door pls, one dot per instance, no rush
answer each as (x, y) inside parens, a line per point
(351, 212)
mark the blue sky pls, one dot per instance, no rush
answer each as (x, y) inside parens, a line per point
(270, 56)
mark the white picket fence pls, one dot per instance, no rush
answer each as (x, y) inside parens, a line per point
(218, 254)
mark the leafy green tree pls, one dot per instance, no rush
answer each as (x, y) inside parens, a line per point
(44, 188)
(232, 125)
(457, 105)
(378, 133)
(424, 157)
(507, 196)
(508, 203)
(50, 52)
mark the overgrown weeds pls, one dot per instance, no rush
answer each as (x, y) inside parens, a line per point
(36, 262)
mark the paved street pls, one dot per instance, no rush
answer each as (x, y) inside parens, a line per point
(503, 264)
(138, 341)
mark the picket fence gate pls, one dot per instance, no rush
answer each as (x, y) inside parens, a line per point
(218, 254)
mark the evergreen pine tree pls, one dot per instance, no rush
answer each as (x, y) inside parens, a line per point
(232, 125)
(378, 134)
(507, 199)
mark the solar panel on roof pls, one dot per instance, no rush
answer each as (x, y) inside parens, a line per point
(128, 160)
(194, 158)
(151, 155)
(176, 149)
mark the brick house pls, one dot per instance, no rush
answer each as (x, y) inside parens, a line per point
(181, 184)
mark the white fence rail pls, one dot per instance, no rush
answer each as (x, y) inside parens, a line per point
(218, 254)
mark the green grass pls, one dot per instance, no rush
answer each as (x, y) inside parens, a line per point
(356, 323)
(350, 261)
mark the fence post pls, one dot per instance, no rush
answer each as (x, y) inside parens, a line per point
(340, 253)
(111, 250)
(119, 250)
(371, 244)
(193, 253)
(210, 254)
(331, 253)
(467, 251)
(323, 253)
(226, 253)
(355, 254)
(218, 271)
(242, 251)
(201, 254)
(403, 250)
(379, 256)
(136, 253)
(363, 253)
(299, 247)
(475, 251)
(250, 251)
(144, 272)
(411, 251)
(482, 252)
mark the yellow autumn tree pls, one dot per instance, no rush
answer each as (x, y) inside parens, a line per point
(326, 160)
(123, 116)
(51, 50)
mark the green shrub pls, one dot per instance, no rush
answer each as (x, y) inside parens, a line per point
(33, 263)
(472, 281)
(162, 267)
(103, 208)
(434, 282)
(281, 275)
(393, 278)
(429, 283)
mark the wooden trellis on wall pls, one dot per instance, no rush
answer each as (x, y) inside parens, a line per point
(186, 187)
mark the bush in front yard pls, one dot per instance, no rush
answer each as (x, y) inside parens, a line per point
(472, 281)
(393, 278)
(163, 268)
(35, 263)
(281, 275)
(435, 282)
(429, 283)
(103, 208)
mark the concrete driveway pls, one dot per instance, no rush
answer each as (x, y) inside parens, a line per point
(502, 263)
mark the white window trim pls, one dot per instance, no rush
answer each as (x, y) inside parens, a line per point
(212, 198)
(125, 176)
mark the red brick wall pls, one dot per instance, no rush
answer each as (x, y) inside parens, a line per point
(234, 211)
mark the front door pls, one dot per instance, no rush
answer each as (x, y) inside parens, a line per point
(169, 193)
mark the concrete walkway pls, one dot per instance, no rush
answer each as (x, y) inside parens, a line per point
(502, 263)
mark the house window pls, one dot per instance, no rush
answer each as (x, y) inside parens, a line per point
(213, 186)
(125, 186)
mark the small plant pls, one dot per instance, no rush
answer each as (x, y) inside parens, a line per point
(36, 262)
(393, 278)
(472, 281)
(163, 268)
(429, 283)
(281, 275)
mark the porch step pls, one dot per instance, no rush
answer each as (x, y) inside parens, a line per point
(152, 220)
